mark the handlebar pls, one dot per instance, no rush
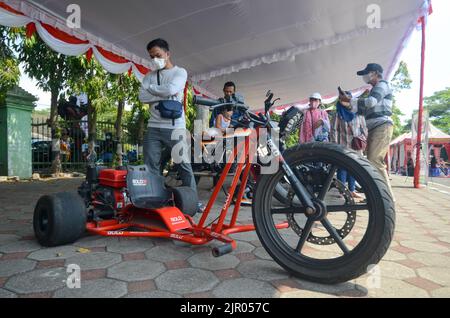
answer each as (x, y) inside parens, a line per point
(205, 101)
(213, 104)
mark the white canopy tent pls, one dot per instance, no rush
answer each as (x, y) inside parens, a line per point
(293, 47)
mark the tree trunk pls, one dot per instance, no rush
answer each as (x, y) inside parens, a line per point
(56, 167)
(92, 132)
(141, 131)
(118, 127)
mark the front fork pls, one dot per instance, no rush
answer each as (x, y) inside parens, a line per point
(298, 187)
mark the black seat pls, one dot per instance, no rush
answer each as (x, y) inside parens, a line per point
(146, 190)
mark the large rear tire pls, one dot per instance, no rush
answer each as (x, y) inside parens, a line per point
(59, 219)
(378, 213)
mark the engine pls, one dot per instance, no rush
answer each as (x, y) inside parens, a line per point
(105, 192)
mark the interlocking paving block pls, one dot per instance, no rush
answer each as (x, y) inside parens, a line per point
(262, 270)
(441, 293)
(153, 294)
(53, 253)
(6, 294)
(95, 241)
(206, 260)
(132, 271)
(186, 280)
(245, 288)
(243, 247)
(438, 275)
(16, 266)
(393, 288)
(126, 246)
(430, 259)
(169, 252)
(445, 239)
(246, 236)
(37, 281)
(20, 246)
(396, 271)
(392, 255)
(8, 238)
(306, 294)
(99, 288)
(262, 253)
(94, 260)
(425, 246)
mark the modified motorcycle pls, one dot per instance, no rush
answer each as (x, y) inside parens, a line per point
(319, 233)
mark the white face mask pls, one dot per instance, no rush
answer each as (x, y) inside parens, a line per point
(158, 64)
(368, 78)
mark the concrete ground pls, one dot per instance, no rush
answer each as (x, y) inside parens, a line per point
(416, 265)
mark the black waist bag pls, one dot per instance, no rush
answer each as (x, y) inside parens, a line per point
(169, 109)
(146, 190)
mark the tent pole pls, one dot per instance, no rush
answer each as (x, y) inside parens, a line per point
(420, 121)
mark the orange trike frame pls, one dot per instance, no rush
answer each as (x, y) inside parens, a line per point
(185, 229)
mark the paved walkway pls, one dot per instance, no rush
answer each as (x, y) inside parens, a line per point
(417, 264)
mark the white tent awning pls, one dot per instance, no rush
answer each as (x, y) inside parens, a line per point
(292, 47)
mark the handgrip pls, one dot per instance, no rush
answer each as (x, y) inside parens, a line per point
(205, 101)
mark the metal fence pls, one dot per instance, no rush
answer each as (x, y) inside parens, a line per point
(74, 145)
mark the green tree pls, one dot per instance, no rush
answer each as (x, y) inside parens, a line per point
(401, 81)
(51, 70)
(124, 90)
(9, 65)
(91, 78)
(438, 106)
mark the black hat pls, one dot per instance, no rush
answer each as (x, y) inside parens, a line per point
(372, 67)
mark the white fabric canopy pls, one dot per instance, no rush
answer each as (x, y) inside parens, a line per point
(293, 47)
(435, 135)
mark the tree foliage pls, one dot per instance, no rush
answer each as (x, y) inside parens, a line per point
(9, 65)
(401, 81)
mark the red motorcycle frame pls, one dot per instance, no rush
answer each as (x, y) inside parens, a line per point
(178, 226)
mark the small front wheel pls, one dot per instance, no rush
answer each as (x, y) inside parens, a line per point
(345, 236)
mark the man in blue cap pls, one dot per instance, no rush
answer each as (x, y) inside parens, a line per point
(377, 109)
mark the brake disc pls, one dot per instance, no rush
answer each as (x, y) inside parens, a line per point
(343, 231)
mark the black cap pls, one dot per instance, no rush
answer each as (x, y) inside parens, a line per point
(372, 67)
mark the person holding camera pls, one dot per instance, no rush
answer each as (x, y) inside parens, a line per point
(377, 109)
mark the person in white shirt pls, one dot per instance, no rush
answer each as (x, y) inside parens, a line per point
(170, 86)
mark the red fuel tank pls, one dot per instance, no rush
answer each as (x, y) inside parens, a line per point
(113, 178)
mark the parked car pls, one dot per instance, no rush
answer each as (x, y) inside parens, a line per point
(41, 151)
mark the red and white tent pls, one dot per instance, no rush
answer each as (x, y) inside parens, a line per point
(293, 47)
(401, 148)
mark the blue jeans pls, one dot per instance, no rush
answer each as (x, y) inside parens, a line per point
(344, 177)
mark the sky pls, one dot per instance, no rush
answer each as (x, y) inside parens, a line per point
(437, 68)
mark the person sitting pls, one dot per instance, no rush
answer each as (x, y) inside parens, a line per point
(229, 92)
(223, 120)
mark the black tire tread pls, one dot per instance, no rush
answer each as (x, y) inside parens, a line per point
(67, 217)
(386, 202)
